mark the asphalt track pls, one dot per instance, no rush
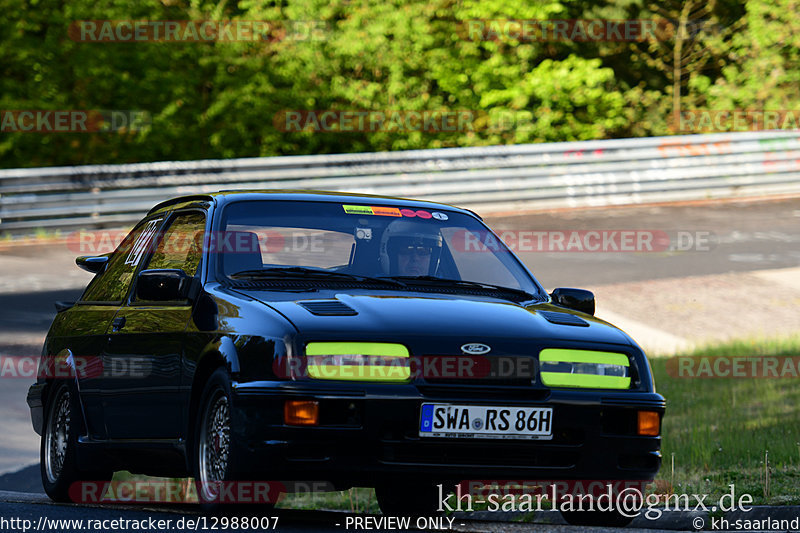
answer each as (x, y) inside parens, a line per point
(743, 236)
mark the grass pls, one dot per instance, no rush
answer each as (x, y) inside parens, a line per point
(357, 499)
(716, 432)
(39, 234)
(45, 234)
(732, 430)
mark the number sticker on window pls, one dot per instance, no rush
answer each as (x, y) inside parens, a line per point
(142, 243)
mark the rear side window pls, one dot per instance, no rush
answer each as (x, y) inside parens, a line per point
(182, 244)
(112, 285)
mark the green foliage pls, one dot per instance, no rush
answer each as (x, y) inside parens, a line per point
(226, 99)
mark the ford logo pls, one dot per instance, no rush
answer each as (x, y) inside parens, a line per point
(475, 348)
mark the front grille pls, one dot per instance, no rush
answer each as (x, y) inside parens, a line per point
(482, 381)
(476, 391)
(478, 370)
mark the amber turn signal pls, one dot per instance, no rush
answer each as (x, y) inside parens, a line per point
(649, 423)
(301, 413)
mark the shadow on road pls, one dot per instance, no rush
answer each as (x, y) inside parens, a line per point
(30, 312)
(26, 480)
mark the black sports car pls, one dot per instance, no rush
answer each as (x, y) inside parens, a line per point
(352, 339)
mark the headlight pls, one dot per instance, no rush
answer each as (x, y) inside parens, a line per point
(358, 361)
(584, 369)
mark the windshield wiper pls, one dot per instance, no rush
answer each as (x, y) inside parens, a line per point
(300, 272)
(433, 280)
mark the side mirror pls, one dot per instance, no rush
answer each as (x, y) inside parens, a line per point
(93, 264)
(576, 299)
(63, 306)
(168, 285)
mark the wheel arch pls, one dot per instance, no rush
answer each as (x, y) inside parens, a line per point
(218, 354)
(54, 375)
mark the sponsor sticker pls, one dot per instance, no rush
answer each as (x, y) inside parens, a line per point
(372, 210)
(357, 209)
(386, 211)
(141, 246)
(411, 213)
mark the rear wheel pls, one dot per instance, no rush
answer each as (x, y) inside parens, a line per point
(58, 450)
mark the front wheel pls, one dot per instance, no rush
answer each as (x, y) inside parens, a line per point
(214, 464)
(58, 450)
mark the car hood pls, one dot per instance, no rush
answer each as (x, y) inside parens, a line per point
(403, 317)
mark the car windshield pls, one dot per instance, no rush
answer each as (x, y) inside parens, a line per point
(309, 240)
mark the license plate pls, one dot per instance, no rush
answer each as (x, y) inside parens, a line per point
(483, 421)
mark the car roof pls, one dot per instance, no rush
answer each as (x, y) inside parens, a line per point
(229, 196)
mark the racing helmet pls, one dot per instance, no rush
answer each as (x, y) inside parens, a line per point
(401, 235)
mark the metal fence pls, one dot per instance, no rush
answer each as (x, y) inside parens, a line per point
(486, 179)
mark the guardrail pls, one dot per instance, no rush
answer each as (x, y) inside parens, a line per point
(486, 179)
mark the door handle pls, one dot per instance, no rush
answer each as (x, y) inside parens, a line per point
(118, 323)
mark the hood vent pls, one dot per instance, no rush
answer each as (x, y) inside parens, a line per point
(328, 308)
(565, 319)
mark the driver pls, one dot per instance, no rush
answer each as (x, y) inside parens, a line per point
(410, 248)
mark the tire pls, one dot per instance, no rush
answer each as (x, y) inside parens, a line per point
(410, 499)
(58, 448)
(596, 518)
(214, 458)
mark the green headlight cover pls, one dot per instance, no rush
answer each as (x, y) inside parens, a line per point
(358, 361)
(584, 369)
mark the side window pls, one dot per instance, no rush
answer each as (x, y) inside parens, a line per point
(112, 285)
(181, 246)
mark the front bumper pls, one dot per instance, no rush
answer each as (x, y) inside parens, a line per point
(373, 430)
